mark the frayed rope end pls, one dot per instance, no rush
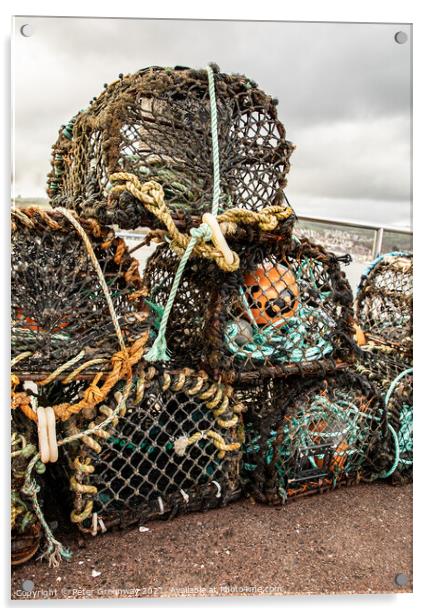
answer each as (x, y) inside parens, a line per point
(159, 350)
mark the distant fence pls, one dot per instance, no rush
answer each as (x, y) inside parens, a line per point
(369, 240)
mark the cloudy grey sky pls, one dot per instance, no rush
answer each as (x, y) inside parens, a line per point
(344, 92)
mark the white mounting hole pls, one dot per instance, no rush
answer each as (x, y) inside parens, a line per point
(401, 37)
(26, 30)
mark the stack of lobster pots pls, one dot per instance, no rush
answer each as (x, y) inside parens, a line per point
(223, 365)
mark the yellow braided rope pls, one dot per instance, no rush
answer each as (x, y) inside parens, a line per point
(151, 195)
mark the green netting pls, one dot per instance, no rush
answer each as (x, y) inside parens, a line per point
(312, 435)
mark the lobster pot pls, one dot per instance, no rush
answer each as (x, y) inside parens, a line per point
(288, 309)
(311, 435)
(25, 526)
(156, 125)
(175, 447)
(384, 301)
(399, 408)
(73, 289)
(382, 364)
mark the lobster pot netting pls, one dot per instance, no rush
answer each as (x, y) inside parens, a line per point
(399, 408)
(384, 301)
(311, 435)
(287, 310)
(382, 364)
(174, 448)
(156, 125)
(62, 323)
(25, 526)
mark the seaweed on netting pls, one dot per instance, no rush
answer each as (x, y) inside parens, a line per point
(399, 408)
(62, 272)
(26, 531)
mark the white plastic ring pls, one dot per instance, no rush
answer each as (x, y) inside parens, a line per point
(52, 434)
(42, 433)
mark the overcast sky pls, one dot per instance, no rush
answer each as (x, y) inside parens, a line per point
(344, 92)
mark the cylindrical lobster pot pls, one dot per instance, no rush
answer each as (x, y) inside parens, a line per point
(384, 301)
(156, 125)
(307, 436)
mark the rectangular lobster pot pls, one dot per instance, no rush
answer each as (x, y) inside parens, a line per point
(175, 448)
(306, 436)
(392, 373)
(287, 310)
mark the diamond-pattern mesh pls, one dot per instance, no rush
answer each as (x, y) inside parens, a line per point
(384, 301)
(392, 374)
(288, 309)
(399, 407)
(156, 124)
(311, 435)
(176, 450)
(58, 306)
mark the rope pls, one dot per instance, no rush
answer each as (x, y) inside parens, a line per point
(151, 195)
(61, 369)
(122, 361)
(159, 350)
(181, 444)
(214, 141)
(99, 273)
(20, 357)
(55, 550)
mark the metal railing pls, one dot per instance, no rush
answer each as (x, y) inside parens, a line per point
(379, 230)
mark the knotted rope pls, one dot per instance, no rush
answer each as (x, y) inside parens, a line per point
(151, 196)
(121, 362)
(159, 351)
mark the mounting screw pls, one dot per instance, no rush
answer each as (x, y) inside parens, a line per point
(401, 37)
(401, 579)
(26, 30)
(27, 585)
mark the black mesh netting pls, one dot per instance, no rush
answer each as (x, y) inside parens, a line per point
(399, 408)
(175, 448)
(60, 314)
(385, 299)
(156, 125)
(287, 310)
(310, 435)
(392, 373)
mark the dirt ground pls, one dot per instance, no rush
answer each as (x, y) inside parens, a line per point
(352, 540)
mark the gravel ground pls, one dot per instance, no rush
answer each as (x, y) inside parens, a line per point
(352, 540)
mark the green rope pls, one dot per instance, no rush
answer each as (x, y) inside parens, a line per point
(214, 140)
(304, 336)
(159, 350)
